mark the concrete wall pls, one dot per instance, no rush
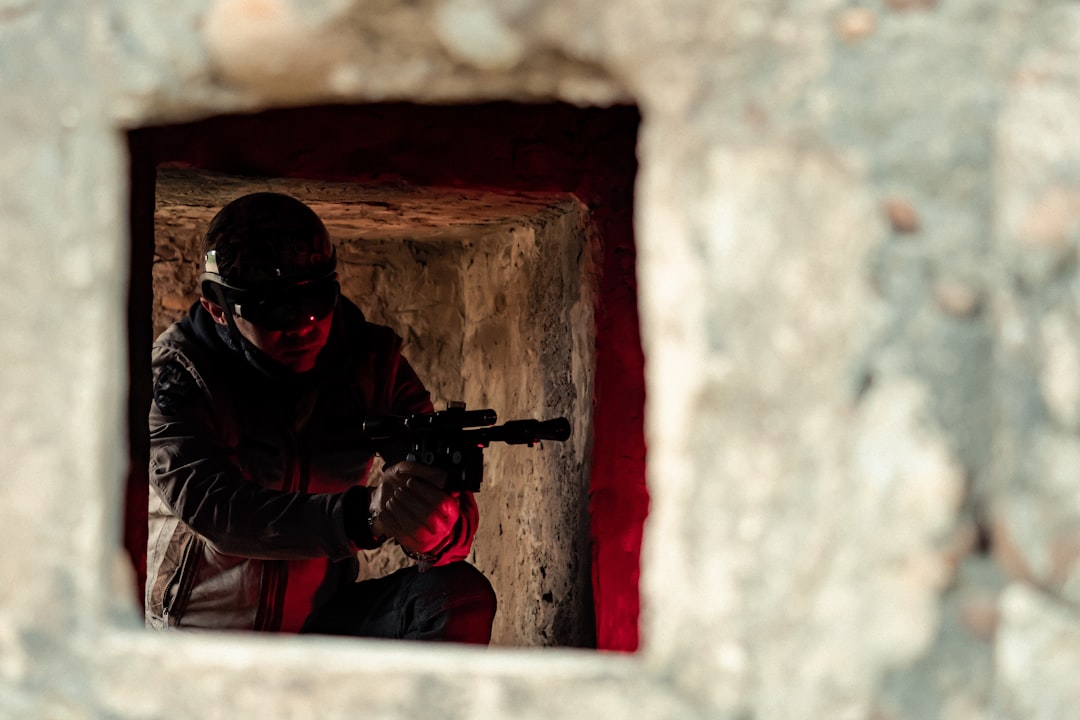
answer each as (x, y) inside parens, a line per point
(857, 230)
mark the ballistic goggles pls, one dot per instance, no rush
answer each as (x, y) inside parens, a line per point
(280, 307)
(287, 309)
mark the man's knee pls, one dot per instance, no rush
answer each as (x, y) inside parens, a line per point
(469, 579)
(463, 583)
(465, 599)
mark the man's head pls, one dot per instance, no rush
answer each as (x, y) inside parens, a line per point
(269, 275)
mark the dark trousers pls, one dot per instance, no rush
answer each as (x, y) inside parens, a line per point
(452, 603)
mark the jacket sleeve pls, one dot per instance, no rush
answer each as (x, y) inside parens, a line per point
(194, 471)
(407, 393)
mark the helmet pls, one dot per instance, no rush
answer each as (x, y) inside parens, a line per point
(266, 240)
(268, 258)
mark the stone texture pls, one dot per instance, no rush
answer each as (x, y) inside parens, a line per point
(903, 217)
(955, 678)
(1036, 509)
(1035, 659)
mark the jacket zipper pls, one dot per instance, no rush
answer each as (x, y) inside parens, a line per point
(276, 572)
(182, 582)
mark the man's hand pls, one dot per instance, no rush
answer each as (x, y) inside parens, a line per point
(408, 504)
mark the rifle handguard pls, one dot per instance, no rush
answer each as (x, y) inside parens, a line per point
(454, 439)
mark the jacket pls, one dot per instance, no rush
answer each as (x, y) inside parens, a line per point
(255, 479)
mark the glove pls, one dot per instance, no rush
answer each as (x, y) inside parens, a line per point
(408, 504)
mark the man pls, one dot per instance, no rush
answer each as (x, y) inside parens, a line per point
(258, 507)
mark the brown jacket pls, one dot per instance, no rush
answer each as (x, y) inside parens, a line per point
(249, 474)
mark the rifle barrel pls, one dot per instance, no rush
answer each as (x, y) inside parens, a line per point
(524, 432)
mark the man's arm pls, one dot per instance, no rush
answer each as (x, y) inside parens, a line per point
(194, 472)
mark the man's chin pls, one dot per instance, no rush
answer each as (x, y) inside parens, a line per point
(299, 362)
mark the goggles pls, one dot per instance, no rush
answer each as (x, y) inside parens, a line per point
(286, 308)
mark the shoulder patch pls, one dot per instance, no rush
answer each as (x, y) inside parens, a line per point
(174, 388)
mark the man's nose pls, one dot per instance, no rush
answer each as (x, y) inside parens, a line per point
(303, 326)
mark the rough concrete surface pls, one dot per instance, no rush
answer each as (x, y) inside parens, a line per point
(857, 227)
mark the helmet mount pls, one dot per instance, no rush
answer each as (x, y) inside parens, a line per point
(268, 258)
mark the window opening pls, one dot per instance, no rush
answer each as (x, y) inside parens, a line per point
(476, 176)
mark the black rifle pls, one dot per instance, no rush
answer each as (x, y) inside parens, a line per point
(454, 439)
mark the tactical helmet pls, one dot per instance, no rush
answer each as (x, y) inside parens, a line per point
(268, 258)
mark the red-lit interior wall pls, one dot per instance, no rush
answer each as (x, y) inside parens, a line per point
(586, 151)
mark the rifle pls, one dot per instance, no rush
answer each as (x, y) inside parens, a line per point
(454, 439)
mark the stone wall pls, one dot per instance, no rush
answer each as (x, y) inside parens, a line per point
(493, 294)
(857, 228)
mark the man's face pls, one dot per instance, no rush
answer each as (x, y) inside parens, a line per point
(296, 348)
